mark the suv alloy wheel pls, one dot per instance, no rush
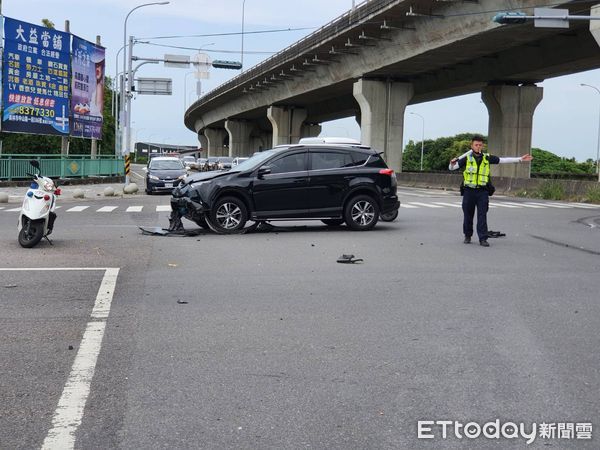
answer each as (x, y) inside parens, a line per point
(361, 213)
(228, 216)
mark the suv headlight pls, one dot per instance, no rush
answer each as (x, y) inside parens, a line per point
(153, 177)
(181, 177)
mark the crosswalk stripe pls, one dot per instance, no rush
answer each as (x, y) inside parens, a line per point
(503, 205)
(426, 205)
(585, 205)
(134, 209)
(453, 205)
(551, 205)
(163, 208)
(77, 208)
(524, 205)
(107, 209)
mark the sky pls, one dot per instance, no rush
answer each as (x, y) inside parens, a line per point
(566, 122)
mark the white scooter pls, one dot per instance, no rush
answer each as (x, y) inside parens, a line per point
(37, 216)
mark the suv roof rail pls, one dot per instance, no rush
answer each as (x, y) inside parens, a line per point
(328, 140)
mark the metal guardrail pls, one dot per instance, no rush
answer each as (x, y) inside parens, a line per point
(343, 23)
(16, 166)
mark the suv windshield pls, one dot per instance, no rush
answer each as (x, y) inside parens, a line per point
(166, 164)
(256, 160)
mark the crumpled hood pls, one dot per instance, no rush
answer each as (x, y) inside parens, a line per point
(204, 176)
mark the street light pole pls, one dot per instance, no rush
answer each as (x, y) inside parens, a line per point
(127, 54)
(243, 11)
(598, 144)
(422, 135)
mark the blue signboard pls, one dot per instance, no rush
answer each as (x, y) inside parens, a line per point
(36, 76)
(87, 89)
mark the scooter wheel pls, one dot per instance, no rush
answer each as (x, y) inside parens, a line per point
(31, 233)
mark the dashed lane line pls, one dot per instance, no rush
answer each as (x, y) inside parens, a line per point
(134, 209)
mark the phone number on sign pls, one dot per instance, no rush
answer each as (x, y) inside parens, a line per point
(38, 112)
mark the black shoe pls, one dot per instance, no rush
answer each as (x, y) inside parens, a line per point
(467, 240)
(484, 243)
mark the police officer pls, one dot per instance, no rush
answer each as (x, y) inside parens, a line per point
(476, 177)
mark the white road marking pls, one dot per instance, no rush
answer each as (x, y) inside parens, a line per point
(503, 205)
(551, 205)
(107, 209)
(426, 205)
(134, 209)
(2, 207)
(14, 209)
(524, 205)
(406, 205)
(163, 208)
(453, 205)
(77, 208)
(586, 205)
(69, 412)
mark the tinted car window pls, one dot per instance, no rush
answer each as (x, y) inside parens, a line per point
(330, 160)
(288, 163)
(360, 158)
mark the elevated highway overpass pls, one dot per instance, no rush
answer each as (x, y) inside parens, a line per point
(375, 60)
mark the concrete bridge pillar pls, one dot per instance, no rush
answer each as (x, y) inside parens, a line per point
(203, 144)
(510, 126)
(382, 105)
(595, 24)
(216, 140)
(287, 122)
(310, 130)
(239, 137)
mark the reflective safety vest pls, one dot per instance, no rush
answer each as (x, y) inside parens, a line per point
(476, 178)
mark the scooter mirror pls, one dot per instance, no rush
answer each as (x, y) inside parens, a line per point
(35, 163)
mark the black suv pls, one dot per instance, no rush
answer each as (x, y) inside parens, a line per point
(332, 183)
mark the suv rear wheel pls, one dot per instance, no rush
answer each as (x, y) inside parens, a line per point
(228, 216)
(361, 213)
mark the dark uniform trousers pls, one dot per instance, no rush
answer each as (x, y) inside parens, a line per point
(475, 198)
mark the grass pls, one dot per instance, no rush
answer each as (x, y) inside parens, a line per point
(550, 190)
(593, 195)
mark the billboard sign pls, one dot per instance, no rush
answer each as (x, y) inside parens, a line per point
(87, 89)
(35, 82)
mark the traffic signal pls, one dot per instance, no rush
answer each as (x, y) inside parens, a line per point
(220, 64)
(512, 18)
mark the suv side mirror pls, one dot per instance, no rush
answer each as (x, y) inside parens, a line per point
(264, 170)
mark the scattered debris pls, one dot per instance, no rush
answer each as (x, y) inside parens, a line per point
(348, 259)
(182, 302)
(10, 285)
(495, 234)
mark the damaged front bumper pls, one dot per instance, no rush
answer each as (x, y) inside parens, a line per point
(188, 208)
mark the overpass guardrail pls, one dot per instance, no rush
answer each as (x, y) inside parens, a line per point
(339, 25)
(16, 166)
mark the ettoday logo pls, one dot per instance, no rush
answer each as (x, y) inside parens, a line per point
(429, 429)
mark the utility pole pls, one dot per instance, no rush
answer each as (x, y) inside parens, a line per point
(94, 149)
(64, 140)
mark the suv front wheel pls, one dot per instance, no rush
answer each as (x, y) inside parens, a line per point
(361, 213)
(228, 216)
